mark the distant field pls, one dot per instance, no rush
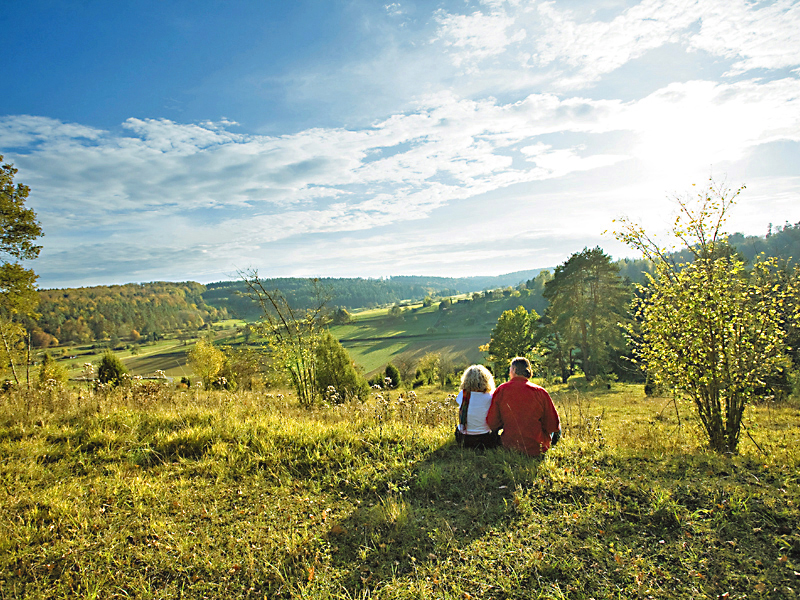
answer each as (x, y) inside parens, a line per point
(373, 338)
(168, 355)
(172, 360)
(375, 356)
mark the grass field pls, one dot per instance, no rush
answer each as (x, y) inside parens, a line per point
(161, 493)
(374, 339)
(168, 355)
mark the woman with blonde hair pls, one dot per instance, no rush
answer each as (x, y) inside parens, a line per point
(474, 399)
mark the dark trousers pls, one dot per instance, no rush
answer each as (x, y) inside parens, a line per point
(480, 441)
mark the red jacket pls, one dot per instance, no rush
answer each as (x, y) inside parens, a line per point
(525, 413)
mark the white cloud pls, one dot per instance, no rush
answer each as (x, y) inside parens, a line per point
(595, 48)
(25, 130)
(580, 48)
(759, 36)
(394, 9)
(477, 36)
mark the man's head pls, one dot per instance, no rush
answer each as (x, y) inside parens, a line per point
(521, 367)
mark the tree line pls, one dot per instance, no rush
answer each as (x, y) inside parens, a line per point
(354, 293)
(133, 311)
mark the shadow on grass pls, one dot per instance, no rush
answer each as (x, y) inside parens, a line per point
(422, 516)
(456, 508)
(378, 511)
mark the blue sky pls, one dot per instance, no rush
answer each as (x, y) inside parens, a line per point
(190, 140)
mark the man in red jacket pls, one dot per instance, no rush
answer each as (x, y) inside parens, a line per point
(524, 411)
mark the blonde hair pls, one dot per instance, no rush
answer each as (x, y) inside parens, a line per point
(477, 378)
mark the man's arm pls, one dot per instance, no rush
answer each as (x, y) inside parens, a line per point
(493, 419)
(550, 419)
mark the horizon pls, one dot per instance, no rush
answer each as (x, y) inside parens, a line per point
(380, 278)
(190, 142)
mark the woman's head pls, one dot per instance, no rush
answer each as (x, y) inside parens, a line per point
(477, 378)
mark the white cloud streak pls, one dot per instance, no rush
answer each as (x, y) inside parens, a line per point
(581, 50)
(477, 36)
(758, 36)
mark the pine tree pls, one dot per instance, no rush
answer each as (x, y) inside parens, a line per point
(588, 300)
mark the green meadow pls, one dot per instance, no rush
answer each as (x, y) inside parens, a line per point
(155, 492)
(374, 338)
(167, 355)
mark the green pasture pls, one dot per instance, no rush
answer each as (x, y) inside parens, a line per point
(373, 356)
(168, 354)
(374, 338)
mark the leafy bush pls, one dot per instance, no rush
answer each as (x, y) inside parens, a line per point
(206, 360)
(392, 373)
(52, 371)
(111, 369)
(335, 369)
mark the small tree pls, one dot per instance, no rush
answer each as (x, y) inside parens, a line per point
(393, 373)
(407, 367)
(446, 370)
(293, 333)
(429, 366)
(41, 339)
(50, 370)
(515, 334)
(708, 329)
(243, 369)
(207, 361)
(341, 316)
(111, 369)
(114, 341)
(335, 372)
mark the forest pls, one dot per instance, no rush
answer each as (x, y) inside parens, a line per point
(355, 293)
(132, 311)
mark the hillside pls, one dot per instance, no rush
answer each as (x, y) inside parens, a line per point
(131, 311)
(455, 330)
(355, 293)
(163, 493)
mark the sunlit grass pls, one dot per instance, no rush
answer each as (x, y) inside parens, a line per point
(170, 494)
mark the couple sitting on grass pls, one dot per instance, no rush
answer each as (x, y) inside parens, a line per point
(522, 410)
